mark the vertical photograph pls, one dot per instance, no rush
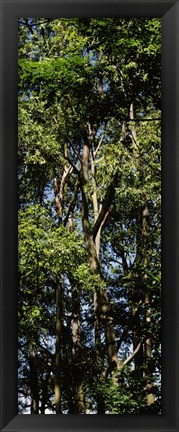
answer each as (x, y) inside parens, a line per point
(89, 216)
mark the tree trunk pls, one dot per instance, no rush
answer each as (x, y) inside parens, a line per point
(45, 390)
(138, 297)
(138, 294)
(76, 348)
(140, 290)
(102, 301)
(148, 342)
(34, 389)
(148, 354)
(99, 359)
(58, 349)
(92, 240)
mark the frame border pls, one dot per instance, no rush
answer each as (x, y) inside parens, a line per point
(10, 11)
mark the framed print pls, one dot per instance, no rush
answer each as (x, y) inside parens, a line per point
(89, 215)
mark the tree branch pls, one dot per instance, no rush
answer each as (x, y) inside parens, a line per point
(71, 104)
(124, 333)
(58, 191)
(100, 142)
(105, 208)
(72, 203)
(132, 355)
(75, 169)
(143, 119)
(75, 151)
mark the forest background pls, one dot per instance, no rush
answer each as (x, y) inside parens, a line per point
(89, 175)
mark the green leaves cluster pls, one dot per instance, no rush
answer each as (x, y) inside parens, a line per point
(49, 250)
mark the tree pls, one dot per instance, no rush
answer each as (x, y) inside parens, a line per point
(89, 214)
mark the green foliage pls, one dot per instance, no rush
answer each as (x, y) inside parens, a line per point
(79, 78)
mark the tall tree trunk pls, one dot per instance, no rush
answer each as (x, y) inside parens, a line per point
(67, 369)
(97, 330)
(78, 407)
(34, 388)
(148, 342)
(58, 348)
(59, 191)
(148, 354)
(143, 259)
(76, 348)
(45, 390)
(96, 305)
(138, 294)
(133, 131)
(138, 298)
(102, 301)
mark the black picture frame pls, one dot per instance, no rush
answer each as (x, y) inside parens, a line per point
(168, 10)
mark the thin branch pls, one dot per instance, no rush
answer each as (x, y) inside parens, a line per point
(58, 191)
(124, 334)
(132, 355)
(91, 135)
(57, 200)
(55, 121)
(74, 167)
(75, 151)
(71, 104)
(104, 219)
(30, 26)
(118, 372)
(72, 203)
(100, 142)
(76, 116)
(67, 172)
(105, 208)
(143, 119)
(46, 351)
